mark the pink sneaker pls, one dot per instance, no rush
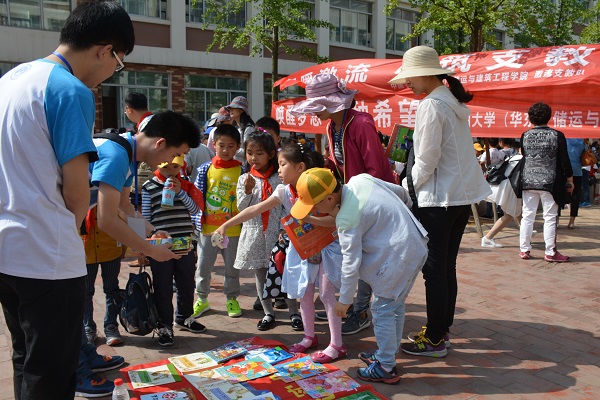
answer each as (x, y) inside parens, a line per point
(525, 255)
(557, 257)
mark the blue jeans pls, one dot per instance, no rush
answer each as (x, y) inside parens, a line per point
(388, 324)
(363, 297)
(110, 285)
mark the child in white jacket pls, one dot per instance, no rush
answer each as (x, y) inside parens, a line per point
(382, 243)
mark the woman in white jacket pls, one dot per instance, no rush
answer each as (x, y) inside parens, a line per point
(446, 180)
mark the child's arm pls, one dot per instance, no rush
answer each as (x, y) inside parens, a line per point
(146, 205)
(245, 192)
(326, 220)
(249, 213)
(188, 202)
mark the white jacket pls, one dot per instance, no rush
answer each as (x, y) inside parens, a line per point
(446, 172)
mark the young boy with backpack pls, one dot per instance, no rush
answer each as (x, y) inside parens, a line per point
(177, 222)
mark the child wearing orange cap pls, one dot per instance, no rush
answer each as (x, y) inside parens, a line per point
(369, 214)
(177, 222)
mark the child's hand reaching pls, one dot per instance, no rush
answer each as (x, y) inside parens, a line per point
(176, 185)
(249, 184)
(340, 309)
(218, 238)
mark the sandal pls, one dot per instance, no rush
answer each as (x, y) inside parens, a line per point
(323, 358)
(299, 348)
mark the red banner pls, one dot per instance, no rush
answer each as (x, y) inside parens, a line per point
(505, 83)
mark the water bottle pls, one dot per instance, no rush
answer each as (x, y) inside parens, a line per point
(168, 194)
(120, 391)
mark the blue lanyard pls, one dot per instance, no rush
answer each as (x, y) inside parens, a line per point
(64, 60)
(135, 173)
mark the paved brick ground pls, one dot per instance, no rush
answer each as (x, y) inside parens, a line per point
(525, 329)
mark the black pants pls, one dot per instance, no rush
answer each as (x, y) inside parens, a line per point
(445, 228)
(45, 319)
(575, 200)
(183, 271)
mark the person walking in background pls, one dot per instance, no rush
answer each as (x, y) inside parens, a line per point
(547, 177)
(48, 113)
(444, 180)
(238, 108)
(217, 180)
(355, 148)
(584, 194)
(136, 108)
(575, 148)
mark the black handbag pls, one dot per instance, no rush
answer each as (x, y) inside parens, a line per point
(496, 173)
(516, 178)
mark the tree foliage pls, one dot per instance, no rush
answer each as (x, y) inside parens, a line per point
(591, 33)
(276, 25)
(468, 25)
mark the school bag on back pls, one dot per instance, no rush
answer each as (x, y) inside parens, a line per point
(138, 313)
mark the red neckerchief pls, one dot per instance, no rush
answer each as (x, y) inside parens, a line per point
(267, 190)
(294, 194)
(218, 162)
(90, 223)
(146, 114)
(187, 186)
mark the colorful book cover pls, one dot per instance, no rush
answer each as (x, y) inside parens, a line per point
(272, 356)
(300, 368)
(308, 239)
(183, 394)
(205, 377)
(193, 362)
(154, 376)
(365, 395)
(400, 142)
(224, 390)
(247, 370)
(260, 394)
(226, 352)
(327, 384)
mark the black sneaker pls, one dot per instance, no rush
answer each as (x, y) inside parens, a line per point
(297, 324)
(280, 304)
(266, 323)
(322, 315)
(190, 325)
(257, 306)
(165, 337)
(354, 324)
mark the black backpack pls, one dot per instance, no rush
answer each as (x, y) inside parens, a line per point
(138, 313)
(495, 174)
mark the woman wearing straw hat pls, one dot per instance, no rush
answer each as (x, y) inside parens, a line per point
(355, 148)
(444, 180)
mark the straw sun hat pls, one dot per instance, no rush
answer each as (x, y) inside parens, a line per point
(325, 92)
(419, 61)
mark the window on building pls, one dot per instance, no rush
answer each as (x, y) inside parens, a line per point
(146, 8)
(287, 93)
(205, 95)
(352, 22)
(154, 85)
(35, 14)
(194, 10)
(399, 24)
(499, 36)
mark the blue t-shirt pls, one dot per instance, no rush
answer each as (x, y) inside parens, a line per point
(575, 147)
(113, 166)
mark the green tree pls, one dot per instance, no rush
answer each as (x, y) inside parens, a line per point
(591, 33)
(277, 25)
(468, 25)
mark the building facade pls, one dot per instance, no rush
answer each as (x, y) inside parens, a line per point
(170, 63)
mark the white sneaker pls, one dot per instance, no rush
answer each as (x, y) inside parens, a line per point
(485, 242)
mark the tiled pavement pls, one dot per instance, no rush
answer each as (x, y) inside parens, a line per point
(524, 329)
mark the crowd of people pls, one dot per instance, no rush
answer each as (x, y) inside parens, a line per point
(85, 201)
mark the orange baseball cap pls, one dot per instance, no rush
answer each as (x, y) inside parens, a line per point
(313, 186)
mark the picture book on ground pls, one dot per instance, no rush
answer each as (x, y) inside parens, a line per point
(153, 376)
(193, 362)
(204, 377)
(226, 352)
(183, 394)
(366, 395)
(299, 368)
(247, 370)
(272, 356)
(327, 384)
(308, 239)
